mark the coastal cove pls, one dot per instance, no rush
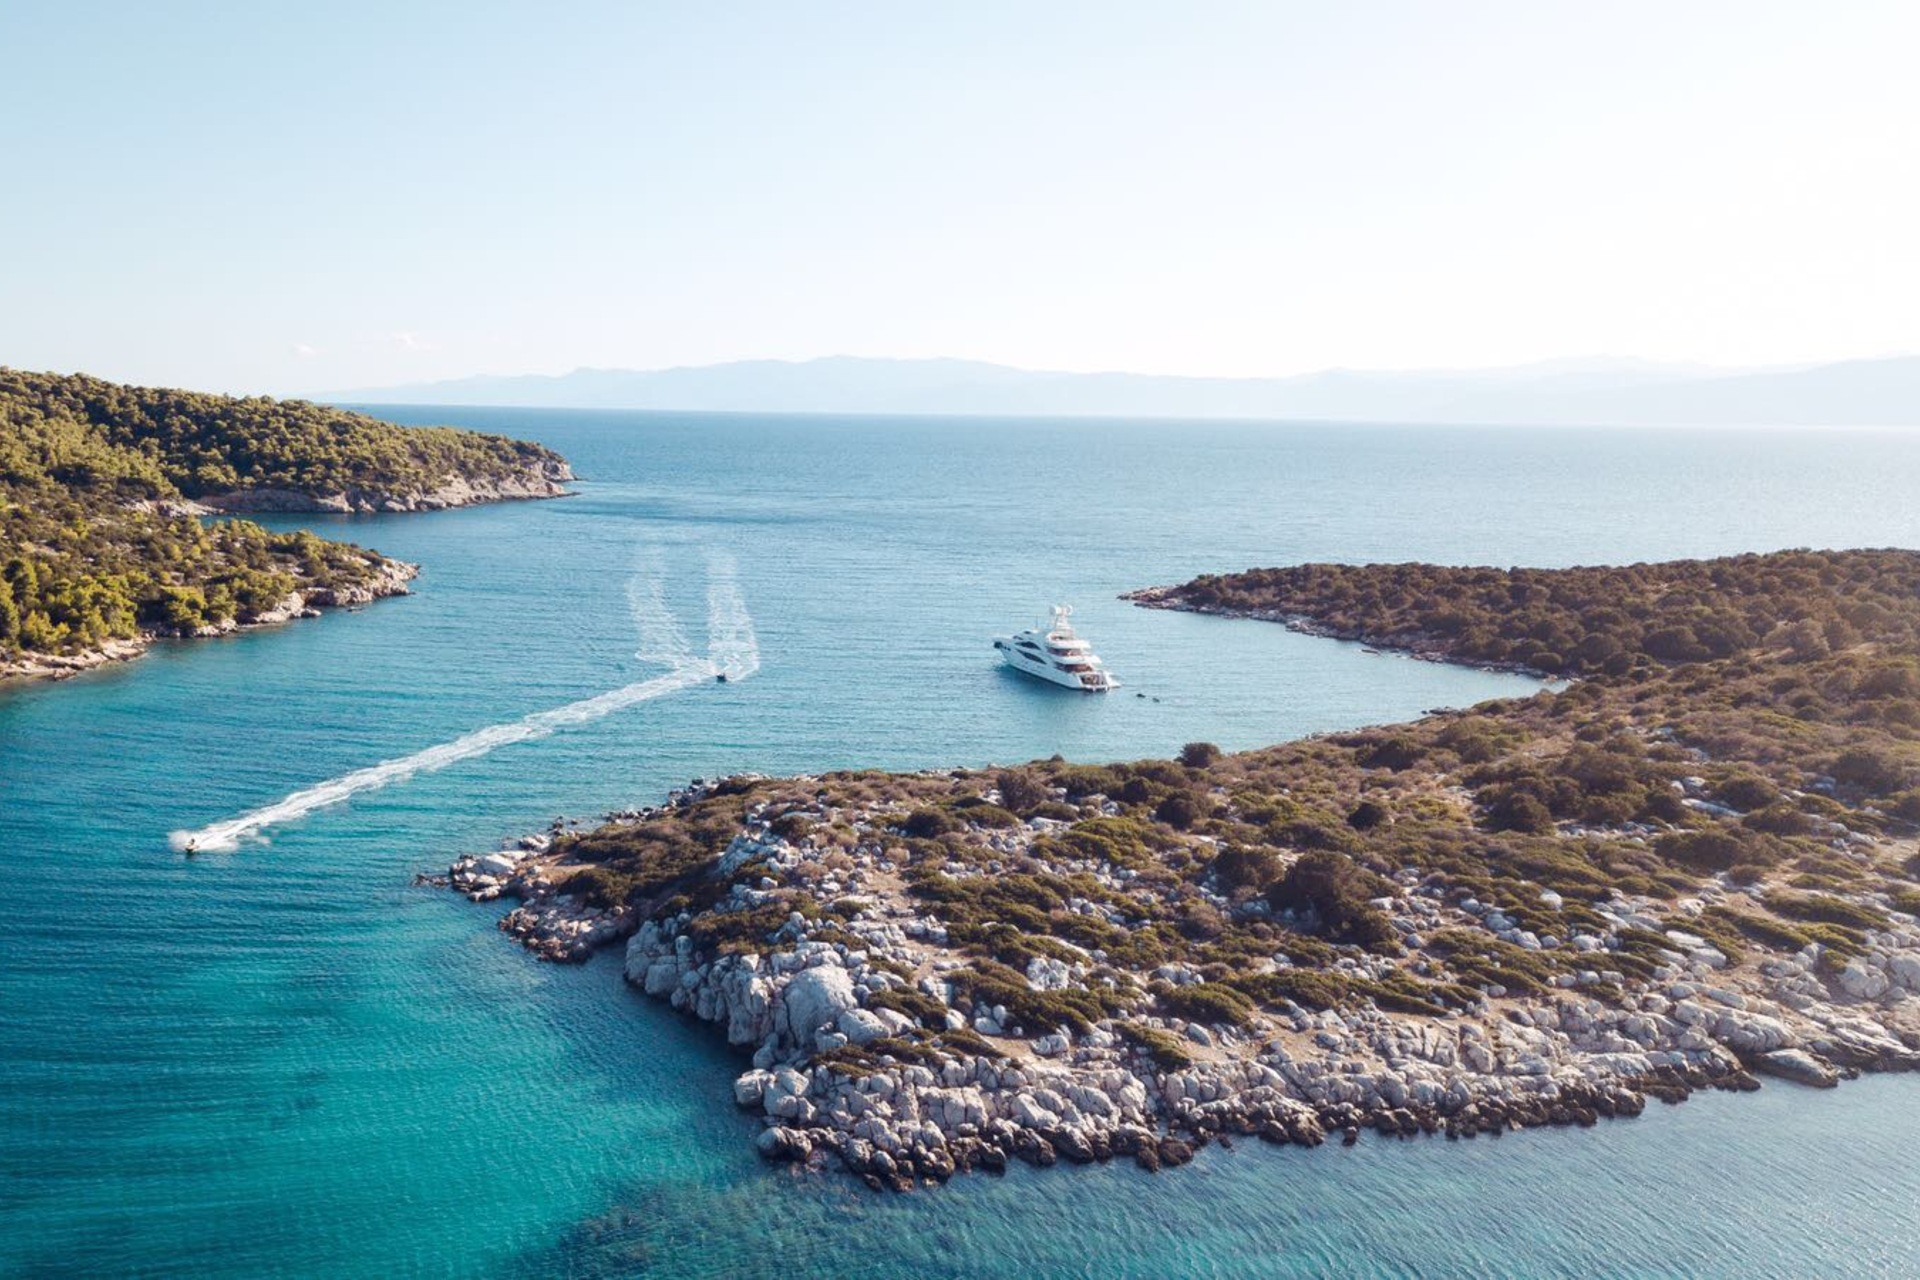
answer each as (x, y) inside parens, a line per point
(291, 1059)
(103, 490)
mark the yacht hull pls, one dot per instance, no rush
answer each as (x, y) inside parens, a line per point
(1041, 671)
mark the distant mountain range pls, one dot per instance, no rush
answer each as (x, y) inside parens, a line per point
(1856, 392)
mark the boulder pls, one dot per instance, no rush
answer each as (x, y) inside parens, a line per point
(780, 1143)
(860, 1026)
(1863, 981)
(750, 1088)
(498, 864)
(1904, 970)
(814, 999)
(662, 977)
(1751, 1033)
(1798, 1066)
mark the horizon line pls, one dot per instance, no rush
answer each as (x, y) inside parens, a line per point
(1687, 368)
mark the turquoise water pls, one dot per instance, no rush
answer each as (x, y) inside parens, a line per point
(289, 1061)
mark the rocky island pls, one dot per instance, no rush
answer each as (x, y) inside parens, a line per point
(103, 488)
(1695, 865)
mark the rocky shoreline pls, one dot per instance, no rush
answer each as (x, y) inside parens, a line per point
(550, 922)
(833, 1006)
(540, 479)
(390, 578)
(1424, 649)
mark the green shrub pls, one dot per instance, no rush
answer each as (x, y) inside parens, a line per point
(1401, 992)
(1717, 848)
(1779, 818)
(928, 823)
(1208, 1002)
(964, 1040)
(1309, 988)
(792, 827)
(1825, 909)
(1868, 770)
(1332, 889)
(1034, 1011)
(1366, 815)
(1020, 791)
(1478, 958)
(1246, 867)
(1308, 834)
(1838, 940)
(1764, 929)
(1165, 1049)
(1518, 811)
(1179, 811)
(1200, 755)
(1397, 752)
(601, 887)
(921, 1007)
(1747, 792)
(981, 814)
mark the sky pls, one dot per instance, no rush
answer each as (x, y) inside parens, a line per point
(286, 198)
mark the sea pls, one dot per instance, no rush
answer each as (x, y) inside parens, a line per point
(287, 1059)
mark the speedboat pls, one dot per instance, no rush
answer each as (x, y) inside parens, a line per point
(1053, 652)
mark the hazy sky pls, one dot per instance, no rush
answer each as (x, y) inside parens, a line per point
(281, 197)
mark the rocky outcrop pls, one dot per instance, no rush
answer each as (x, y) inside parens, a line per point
(1099, 1097)
(842, 1074)
(1798, 1066)
(389, 578)
(551, 921)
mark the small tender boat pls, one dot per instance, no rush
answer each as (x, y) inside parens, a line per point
(1053, 652)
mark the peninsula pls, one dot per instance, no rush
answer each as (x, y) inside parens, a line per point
(103, 488)
(1695, 865)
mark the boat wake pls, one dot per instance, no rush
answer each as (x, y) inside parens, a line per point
(732, 651)
(661, 639)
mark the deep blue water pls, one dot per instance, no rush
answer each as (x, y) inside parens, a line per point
(289, 1061)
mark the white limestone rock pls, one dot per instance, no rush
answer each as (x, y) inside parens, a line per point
(1864, 981)
(861, 1026)
(814, 999)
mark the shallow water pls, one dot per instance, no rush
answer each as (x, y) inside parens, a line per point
(288, 1060)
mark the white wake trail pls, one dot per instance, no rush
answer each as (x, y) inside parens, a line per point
(732, 651)
(225, 836)
(732, 648)
(661, 639)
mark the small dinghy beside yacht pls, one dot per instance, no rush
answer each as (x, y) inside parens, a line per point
(1053, 652)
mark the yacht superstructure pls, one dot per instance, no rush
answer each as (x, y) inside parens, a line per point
(1053, 652)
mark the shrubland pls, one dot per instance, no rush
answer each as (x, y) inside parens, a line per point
(1778, 775)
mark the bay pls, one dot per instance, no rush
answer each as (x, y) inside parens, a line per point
(290, 1061)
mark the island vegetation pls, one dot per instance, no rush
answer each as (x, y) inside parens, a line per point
(1582, 621)
(1695, 862)
(103, 490)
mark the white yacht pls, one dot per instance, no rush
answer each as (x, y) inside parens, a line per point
(1053, 652)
